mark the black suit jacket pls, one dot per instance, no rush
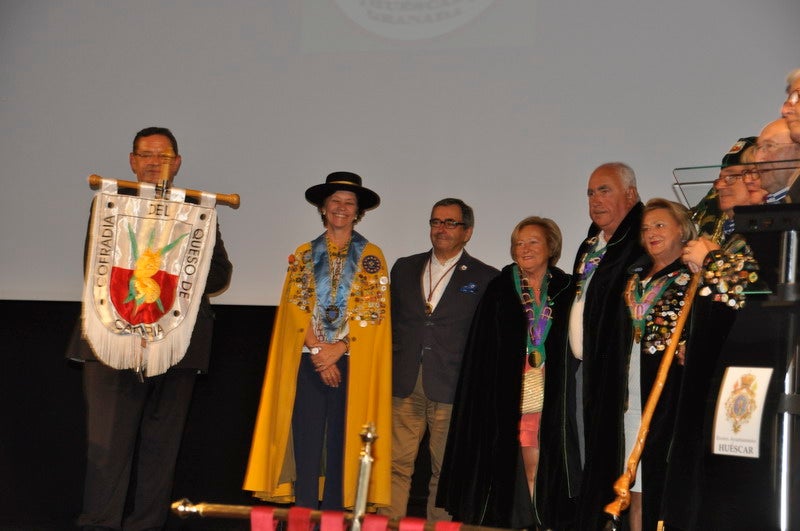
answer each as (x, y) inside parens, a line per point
(436, 341)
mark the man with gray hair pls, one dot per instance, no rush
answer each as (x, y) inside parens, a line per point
(600, 333)
(434, 295)
(775, 145)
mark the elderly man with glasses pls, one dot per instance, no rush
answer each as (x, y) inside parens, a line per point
(778, 159)
(434, 295)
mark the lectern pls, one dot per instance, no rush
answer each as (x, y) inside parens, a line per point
(766, 225)
(752, 482)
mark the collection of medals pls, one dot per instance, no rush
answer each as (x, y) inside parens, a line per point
(655, 308)
(727, 274)
(368, 290)
(301, 280)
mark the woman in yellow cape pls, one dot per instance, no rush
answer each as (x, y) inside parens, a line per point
(329, 365)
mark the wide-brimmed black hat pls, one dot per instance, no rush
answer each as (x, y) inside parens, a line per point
(343, 180)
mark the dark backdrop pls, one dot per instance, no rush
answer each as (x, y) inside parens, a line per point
(42, 444)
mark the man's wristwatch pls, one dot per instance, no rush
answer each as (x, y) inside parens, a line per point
(315, 350)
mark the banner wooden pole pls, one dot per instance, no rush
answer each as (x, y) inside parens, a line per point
(231, 200)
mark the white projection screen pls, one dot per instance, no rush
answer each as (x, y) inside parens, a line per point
(507, 104)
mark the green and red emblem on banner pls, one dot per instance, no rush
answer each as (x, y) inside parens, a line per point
(143, 295)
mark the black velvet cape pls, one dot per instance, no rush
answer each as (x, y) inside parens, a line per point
(673, 444)
(482, 480)
(607, 341)
(681, 500)
(659, 321)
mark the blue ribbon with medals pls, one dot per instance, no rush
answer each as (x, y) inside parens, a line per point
(331, 317)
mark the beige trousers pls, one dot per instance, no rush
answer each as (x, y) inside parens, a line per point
(411, 416)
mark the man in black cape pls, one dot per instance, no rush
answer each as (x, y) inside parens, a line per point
(600, 333)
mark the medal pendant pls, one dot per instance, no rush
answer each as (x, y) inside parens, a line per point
(637, 334)
(331, 313)
(534, 358)
(428, 308)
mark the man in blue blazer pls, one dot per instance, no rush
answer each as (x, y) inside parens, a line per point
(434, 295)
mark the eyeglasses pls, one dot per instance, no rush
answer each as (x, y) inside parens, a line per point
(162, 157)
(449, 223)
(794, 97)
(746, 176)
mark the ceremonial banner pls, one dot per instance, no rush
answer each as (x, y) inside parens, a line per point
(146, 270)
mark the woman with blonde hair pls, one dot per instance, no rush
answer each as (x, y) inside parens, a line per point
(509, 462)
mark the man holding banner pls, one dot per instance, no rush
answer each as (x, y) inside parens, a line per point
(152, 260)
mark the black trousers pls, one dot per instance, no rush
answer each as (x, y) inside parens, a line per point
(318, 424)
(134, 432)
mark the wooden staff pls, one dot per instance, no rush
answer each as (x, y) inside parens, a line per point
(623, 483)
(231, 200)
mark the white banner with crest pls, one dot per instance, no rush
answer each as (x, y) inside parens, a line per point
(146, 270)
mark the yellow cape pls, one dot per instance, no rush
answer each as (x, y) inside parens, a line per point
(270, 470)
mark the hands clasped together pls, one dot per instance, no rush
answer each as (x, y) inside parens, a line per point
(327, 354)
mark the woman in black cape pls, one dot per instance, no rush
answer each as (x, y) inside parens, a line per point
(495, 454)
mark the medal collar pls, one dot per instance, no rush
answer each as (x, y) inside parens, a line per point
(331, 307)
(538, 315)
(642, 294)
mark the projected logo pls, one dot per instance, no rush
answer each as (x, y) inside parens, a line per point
(411, 20)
